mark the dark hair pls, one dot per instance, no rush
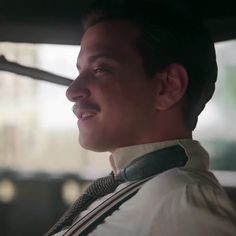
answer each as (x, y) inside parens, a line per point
(168, 36)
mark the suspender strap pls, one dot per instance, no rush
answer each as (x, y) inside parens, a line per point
(93, 218)
(101, 219)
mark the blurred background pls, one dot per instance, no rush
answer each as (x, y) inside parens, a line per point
(42, 167)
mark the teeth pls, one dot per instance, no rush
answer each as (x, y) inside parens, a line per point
(86, 114)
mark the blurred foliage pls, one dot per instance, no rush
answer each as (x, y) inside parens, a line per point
(230, 85)
(222, 155)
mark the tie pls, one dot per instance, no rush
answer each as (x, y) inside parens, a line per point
(97, 189)
(146, 166)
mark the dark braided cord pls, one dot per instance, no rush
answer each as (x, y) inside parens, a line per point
(97, 189)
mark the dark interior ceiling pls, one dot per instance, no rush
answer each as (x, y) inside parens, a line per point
(45, 21)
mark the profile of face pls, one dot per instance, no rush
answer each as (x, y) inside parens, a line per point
(113, 96)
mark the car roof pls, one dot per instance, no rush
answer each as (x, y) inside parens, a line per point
(44, 21)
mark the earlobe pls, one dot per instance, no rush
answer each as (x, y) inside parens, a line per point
(172, 86)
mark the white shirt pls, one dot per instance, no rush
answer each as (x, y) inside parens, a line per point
(180, 201)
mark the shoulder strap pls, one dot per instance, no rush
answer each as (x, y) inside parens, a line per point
(93, 218)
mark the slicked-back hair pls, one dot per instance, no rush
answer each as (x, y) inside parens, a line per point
(167, 36)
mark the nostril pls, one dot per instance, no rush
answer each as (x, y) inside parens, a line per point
(75, 93)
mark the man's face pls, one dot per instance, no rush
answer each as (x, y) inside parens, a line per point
(113, 96)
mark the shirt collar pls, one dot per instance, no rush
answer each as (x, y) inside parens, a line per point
(198, 157)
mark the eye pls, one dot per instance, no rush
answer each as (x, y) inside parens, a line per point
(102, 70)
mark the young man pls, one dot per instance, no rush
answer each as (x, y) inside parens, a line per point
(145, 75)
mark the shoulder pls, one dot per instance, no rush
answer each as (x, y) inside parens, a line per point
(190, 202)
(195, 187)
(177, 178)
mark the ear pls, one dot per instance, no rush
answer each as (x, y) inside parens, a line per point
(171, 87)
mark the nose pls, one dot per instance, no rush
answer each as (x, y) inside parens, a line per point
(77, 91)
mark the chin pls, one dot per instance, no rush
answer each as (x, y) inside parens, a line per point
(92, 145)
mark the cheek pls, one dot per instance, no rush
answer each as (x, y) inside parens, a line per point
(125, 106)
(124, 94)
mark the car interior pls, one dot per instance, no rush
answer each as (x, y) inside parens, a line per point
(39, 42)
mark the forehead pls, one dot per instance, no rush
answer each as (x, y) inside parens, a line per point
(114, 37)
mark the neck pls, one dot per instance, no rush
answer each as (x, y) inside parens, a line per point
(164, 127)
(166, 137)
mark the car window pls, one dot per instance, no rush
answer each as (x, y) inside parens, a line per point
(38, 129)
(217, 128)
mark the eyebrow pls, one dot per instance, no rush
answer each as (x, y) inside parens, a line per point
(93, 58)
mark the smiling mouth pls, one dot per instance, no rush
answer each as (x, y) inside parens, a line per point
(85, 111)
(83, 114)
(86, 115)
